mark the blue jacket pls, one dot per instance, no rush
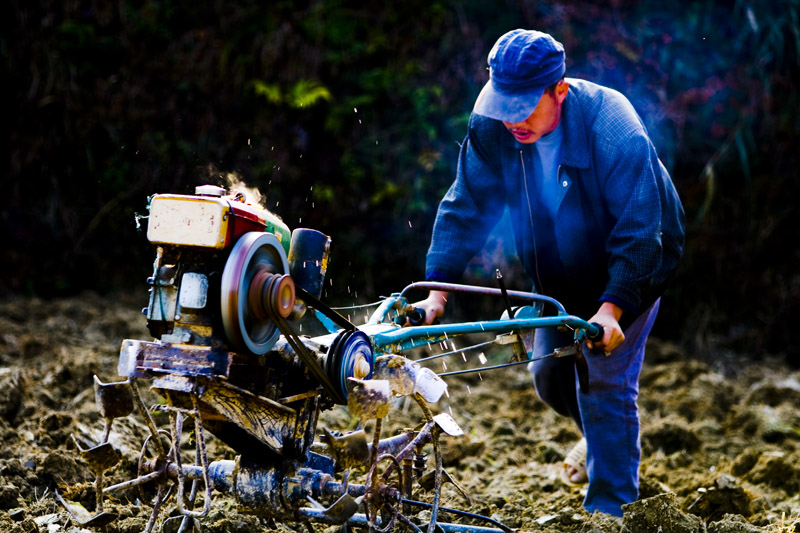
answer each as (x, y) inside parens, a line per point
(618, 231)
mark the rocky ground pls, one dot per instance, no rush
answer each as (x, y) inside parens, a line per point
(721, 440)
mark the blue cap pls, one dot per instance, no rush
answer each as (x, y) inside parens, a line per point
(522, 64)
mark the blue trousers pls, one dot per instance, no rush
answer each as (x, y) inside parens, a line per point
(607, 415)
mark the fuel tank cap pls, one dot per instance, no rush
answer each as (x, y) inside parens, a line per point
(209, 190)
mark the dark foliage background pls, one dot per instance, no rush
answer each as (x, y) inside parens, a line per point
(347, 114)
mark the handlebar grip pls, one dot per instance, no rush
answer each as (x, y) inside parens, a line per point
(598, 332)
(416, 317)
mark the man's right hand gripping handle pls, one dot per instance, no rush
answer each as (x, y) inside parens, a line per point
(429, 309)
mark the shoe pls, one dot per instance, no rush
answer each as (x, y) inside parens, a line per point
(576, 459)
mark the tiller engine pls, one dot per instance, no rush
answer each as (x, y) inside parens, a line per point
(229, 288)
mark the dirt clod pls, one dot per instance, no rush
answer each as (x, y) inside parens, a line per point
(659, 513)
(732, 524)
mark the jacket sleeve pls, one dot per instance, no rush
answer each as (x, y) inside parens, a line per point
(469, 209)
(633, 190)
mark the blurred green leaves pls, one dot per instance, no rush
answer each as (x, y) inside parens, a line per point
(348, 116)
(304, 93)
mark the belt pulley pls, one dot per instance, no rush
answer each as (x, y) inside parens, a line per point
(250, 271)
(257, 297)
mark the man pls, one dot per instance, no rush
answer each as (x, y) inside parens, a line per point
(597, 224)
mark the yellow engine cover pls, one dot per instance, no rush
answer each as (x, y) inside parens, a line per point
(208, 222)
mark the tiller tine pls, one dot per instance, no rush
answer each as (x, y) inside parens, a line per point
(101, 457)
(114, 400)
(341, 510)
(347, 450)
(428, 482)
(82, 517)
(448, 425)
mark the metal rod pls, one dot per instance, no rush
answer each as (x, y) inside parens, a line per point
(453, 352)
(151, 425)
(201, 452)
(437, 491)
(392, 340)
(465, 514)
(557, 353)
(488, 291)
(483, 369)
(151, 522)
(504, 292)
(360, 520)
(134, 482)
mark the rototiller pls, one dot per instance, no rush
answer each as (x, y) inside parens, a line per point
(229, 288)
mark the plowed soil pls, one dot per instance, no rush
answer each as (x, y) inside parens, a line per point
(720, 436)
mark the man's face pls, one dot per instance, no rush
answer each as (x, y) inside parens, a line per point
(543, 120)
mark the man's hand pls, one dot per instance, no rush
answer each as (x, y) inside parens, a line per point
(608, 316)
(433, 306)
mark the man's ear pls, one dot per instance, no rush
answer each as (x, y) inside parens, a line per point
(561, 91)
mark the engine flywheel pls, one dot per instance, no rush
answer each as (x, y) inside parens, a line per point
(255, 287)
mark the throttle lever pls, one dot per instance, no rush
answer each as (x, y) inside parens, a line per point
(581, 367)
